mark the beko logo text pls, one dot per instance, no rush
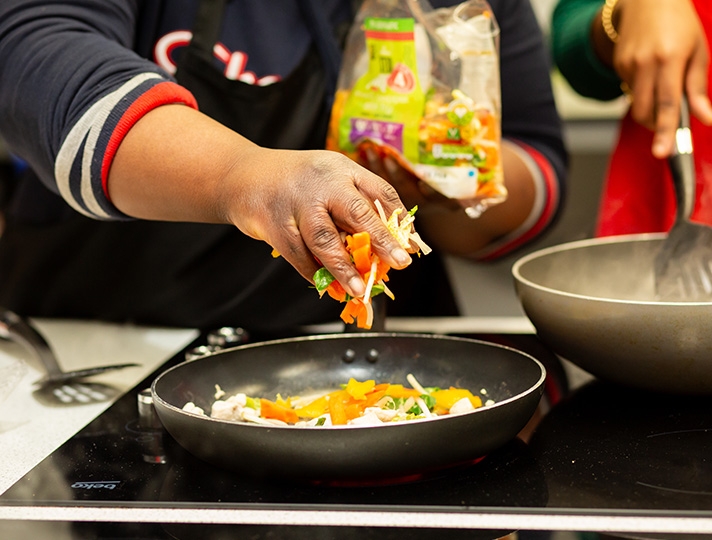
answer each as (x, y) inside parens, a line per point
(111, 484)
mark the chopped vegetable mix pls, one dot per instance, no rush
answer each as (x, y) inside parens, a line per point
(356, 403)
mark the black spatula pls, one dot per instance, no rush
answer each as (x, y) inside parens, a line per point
(683, 267)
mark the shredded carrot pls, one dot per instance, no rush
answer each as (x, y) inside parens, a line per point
(362, 259)
(351, 310)
(372, 270)
(358, 240)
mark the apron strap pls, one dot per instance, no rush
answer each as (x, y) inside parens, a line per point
(209, 20)
(323, 35)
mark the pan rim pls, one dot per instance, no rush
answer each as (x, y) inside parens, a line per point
(578, 244)
(358, 335)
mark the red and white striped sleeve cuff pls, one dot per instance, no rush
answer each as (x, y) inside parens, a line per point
(84, 159)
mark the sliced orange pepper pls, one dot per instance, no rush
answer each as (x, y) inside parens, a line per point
(376, 394)
(336, 291)
(337, 409)
(382, 271)
(362, 317)
(362, 259)
(378, 388)
(269, 409)
(353, 410)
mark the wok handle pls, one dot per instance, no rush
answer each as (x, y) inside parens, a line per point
(682, 165)
(19, 330)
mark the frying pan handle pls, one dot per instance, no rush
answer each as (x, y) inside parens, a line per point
(682, 164)
(19, 330)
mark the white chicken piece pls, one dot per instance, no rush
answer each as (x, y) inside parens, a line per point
(462, 406)
(193, 408)
(314, 422)
(384, 415)
(368, 418)
(240, 399)
(233, 408)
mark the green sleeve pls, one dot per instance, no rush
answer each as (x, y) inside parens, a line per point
(573, 51)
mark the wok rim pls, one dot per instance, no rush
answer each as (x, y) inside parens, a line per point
(360, 335)
(582, 244)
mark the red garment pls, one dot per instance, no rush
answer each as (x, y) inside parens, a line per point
(638, 196)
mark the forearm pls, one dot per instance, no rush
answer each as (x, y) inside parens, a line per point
(172, 165)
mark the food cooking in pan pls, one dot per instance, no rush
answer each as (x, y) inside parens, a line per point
(355, 404)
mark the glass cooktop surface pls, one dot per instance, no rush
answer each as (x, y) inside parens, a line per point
(597, 449)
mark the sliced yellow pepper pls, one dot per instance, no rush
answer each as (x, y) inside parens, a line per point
(398, 391)
(314, 409)
(358, 390)
(283, 402)
(447, 398)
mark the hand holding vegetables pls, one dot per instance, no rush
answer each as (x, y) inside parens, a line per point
(372, 269)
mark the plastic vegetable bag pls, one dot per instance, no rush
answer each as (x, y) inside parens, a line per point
(422, 86)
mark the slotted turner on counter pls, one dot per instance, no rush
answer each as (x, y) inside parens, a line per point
(63, 385)
(683, 267)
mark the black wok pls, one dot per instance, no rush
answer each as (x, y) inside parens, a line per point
(514, 380)
(594, 303)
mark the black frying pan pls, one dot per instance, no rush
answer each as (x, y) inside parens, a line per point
(514, 380)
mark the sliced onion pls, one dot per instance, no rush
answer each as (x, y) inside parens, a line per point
(414, 383)
(386, 290)
(423, 407)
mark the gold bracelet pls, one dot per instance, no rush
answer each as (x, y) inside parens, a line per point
(606, 22)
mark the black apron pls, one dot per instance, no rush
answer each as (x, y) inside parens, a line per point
(292, 113)
(61, 264)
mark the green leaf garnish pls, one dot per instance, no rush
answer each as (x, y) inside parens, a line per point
(322, 279)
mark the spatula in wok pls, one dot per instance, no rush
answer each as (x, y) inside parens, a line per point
(683, 267)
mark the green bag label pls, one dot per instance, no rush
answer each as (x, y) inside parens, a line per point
(386, 103)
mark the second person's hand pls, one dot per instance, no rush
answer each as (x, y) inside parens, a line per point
(662, 52)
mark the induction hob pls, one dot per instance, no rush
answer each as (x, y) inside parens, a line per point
(599, 458)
